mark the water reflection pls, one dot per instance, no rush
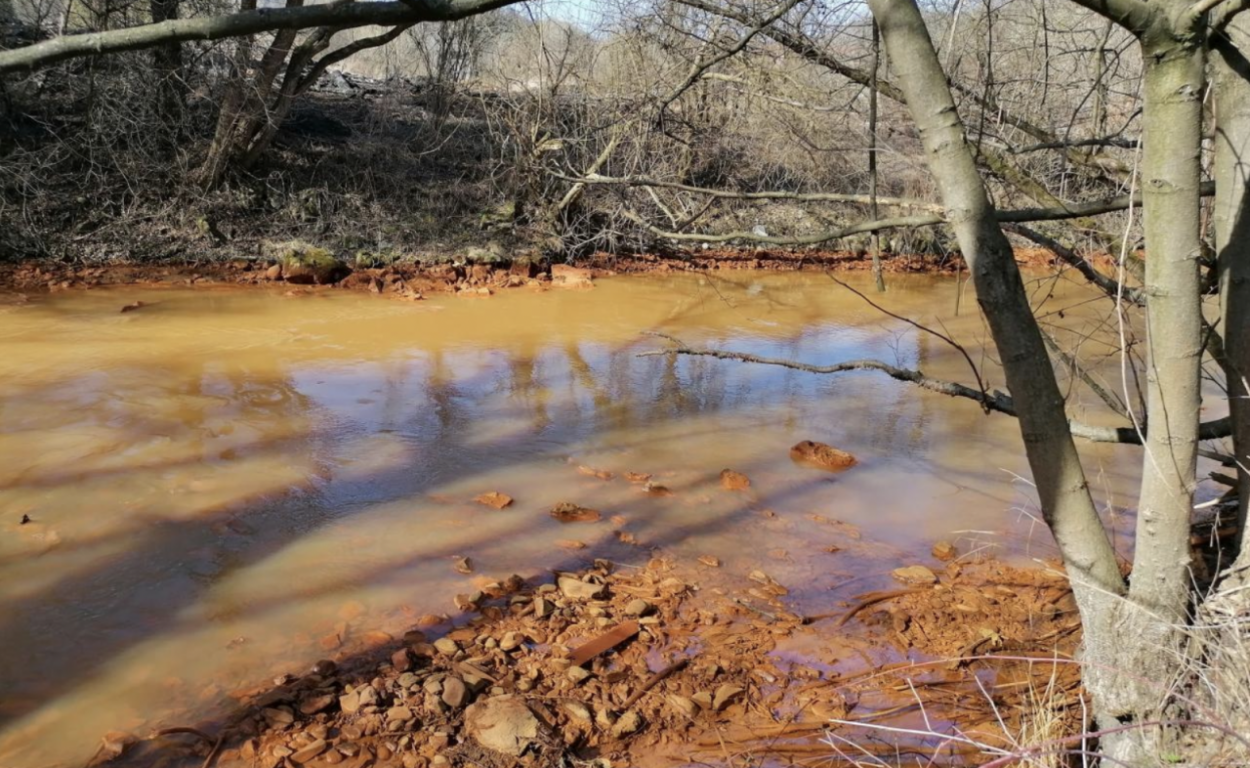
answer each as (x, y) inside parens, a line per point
(225, 485)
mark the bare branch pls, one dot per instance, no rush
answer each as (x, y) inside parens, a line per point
(340, 16)
(811, 197)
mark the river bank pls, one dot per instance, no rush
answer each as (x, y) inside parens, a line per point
(416, 279)
(671, 663)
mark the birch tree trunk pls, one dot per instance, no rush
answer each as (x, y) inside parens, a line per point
(1231, 72)
(1129, 643)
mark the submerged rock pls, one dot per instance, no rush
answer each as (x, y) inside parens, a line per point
(915, 574)
(812, 454)
(567, 512)
(734, 481)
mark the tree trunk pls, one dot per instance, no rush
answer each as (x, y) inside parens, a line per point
(1231, 218)
(1126, 646)
(1171, 175)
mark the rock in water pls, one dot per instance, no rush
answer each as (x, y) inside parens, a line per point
(821, 456)
(734, 481)
(502, 723)
(945, 551)
(915, 574)
(567, 512)
(494, 499)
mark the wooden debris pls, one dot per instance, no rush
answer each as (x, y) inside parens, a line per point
(603, 643)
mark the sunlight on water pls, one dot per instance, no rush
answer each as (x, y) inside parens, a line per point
(226, 485)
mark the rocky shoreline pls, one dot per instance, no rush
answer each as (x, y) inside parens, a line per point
(654, 665)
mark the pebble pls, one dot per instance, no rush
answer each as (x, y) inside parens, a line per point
(399, 715)
(915, 574)
(686, 706)
(446, 646)
(310, 751)
(638, 607)
(401, 661)
(316, 704)
(278, 716)
(578, 589)
(577, 674)
(455, 694)
(510, 642)
(945, 551)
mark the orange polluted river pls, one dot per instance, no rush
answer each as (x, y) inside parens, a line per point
(226, 485)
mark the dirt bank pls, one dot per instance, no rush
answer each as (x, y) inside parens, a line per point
(664, 664)
(414, 280)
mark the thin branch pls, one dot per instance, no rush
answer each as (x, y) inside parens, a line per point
(989, 401)
(976, 373)
(1106, 284)
(699, 66)
(993, 401)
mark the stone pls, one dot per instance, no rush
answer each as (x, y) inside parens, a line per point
(570, 544)
(399, 715)
(455, 693)
(310, 751)
(684, 705)
(638, 607)
(703, 699)
(274, 272)
(734, 481)
(821, 456)
(277, 716)
(502, 723)
(315, 704)
(709, 561)
(579, 590)
(401, 660)
(543, 608)
(725, 695)
(306, 264)
(494, 499)
(463, 565)
(446, 646)
(914, 574)
(565, 276)
(510, 642)
(627, 725)
(945, 551)
(578, 675)
(577, 711)
(567, 512)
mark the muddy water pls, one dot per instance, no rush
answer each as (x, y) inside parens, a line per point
(227, 485)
